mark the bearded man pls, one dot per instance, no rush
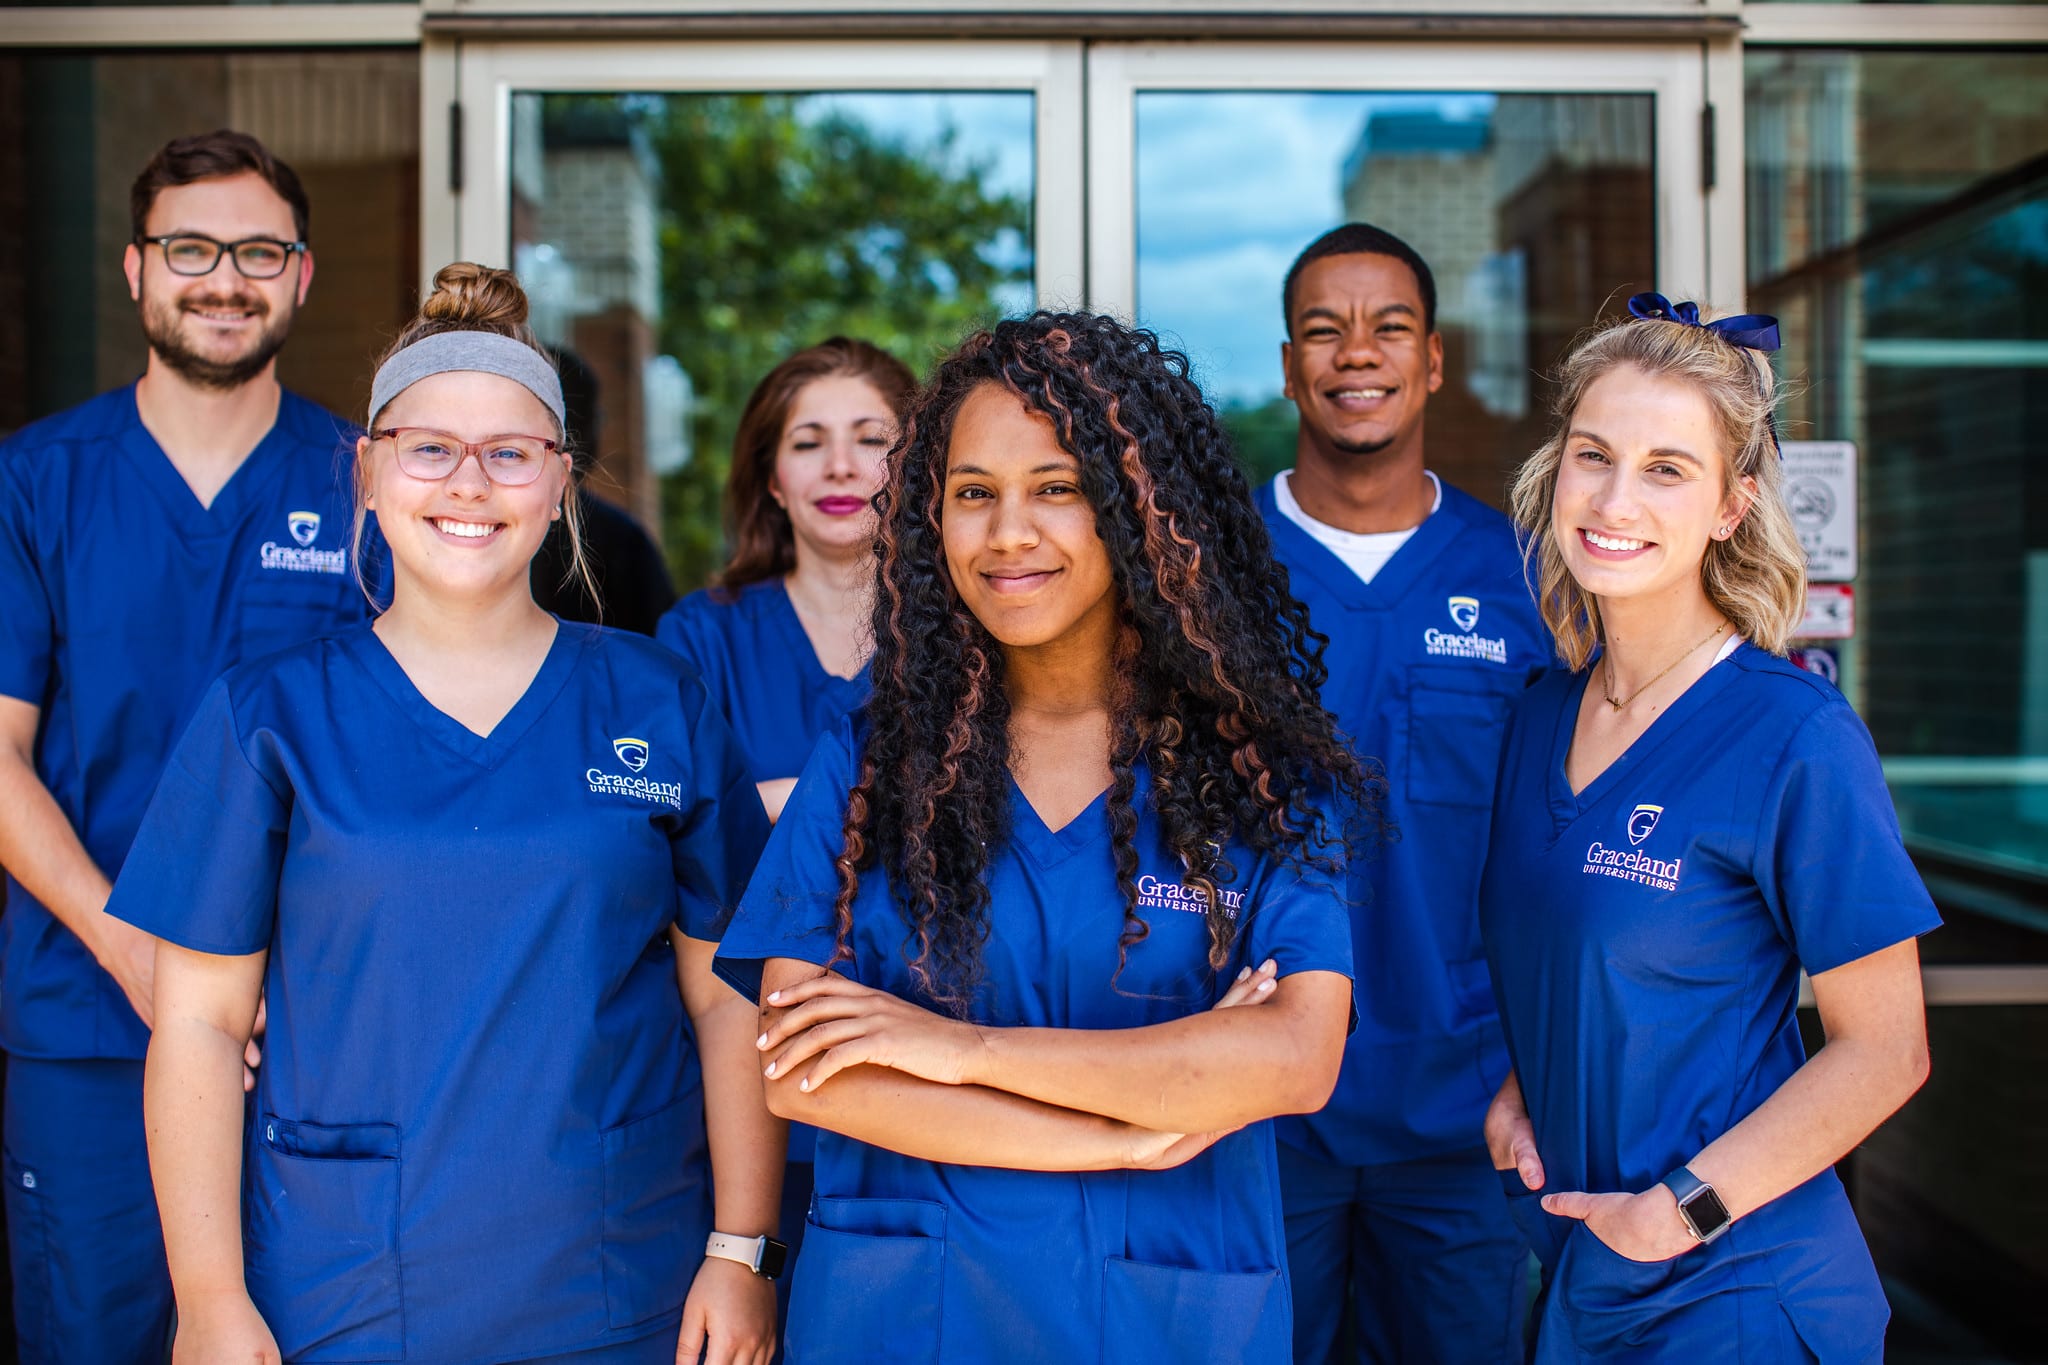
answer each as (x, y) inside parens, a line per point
(150, 538)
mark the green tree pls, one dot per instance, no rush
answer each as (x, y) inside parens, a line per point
(778, 230)
(1264, 435)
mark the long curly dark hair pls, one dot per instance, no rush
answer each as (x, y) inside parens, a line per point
(1217, 667)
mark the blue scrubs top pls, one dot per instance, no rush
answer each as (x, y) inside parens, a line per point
(1646, 937)
(764, 676)
(762, 673)
(1423, 662)
(945, 1262)
(479, 1130)
(124, 598)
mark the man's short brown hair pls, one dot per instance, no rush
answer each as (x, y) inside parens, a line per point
(213, 156)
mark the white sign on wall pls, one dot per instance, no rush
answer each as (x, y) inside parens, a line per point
(1830, 612)
(1820, 490)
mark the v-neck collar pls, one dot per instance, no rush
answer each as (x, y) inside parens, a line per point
(486, 751)
(817, 678)
(1048, 846)
(1396, 577)
(195, 518)
(1566, 806)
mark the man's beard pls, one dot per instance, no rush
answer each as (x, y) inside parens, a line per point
(1361, 447)
(161, 321)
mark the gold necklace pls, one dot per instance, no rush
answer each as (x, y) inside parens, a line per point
(1607, 690)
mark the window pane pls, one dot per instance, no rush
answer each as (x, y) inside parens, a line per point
(1898, 207)
(75, 131)
(683, 244)
(1535, 213)
(1898, 225)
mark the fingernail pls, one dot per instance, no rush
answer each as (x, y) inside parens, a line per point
(770, 1071)
(1243, 972)
(774, 996)
(1263, 987)
(1269, 965)
(762, 1041)
(804, 1084)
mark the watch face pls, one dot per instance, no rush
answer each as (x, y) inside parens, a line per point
(774, 1253)
(1705, 1211)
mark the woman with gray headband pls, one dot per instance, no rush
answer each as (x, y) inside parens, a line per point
(466, 853)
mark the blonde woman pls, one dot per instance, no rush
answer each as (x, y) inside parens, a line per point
(1684, 822)
(475, 860)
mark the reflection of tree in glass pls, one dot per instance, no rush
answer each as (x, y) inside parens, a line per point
(779, 230)
(1264, 434)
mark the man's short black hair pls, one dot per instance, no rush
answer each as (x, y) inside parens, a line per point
(1361, 239)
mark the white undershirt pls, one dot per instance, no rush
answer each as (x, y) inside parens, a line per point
(1734, 643)
(1364, 554)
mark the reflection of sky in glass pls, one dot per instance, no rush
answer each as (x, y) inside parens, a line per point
(992, 136)
(1231, 187)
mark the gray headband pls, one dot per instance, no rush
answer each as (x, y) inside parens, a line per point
(485, 352)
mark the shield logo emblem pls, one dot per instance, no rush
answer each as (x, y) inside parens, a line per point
(631, 752)
(1641, 821)
(1465, 612)
(305, 526)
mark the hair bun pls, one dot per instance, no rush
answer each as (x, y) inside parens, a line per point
(476, 296)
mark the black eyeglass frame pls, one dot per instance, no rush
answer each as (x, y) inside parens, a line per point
(220, 249)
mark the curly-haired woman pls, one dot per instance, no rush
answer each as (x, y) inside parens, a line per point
(1092, 798)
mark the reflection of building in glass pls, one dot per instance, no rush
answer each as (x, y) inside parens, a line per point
(1900, 266)
(585, 227)
(1897, 210)
(1533, 213)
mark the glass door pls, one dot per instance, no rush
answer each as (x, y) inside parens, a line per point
(684, 216)
(1543, 188)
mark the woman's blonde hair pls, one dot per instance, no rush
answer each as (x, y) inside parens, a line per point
(477, 298)
(1757, 576)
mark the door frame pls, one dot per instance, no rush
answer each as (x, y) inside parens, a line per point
(476, 224)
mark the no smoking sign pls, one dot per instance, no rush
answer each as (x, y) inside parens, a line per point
(1820, 492)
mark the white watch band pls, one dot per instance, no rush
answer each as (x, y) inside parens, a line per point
(746, 1250)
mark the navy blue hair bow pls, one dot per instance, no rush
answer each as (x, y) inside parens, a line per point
(1756, 331)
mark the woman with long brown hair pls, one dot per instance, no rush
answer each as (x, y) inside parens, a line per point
(781, 637)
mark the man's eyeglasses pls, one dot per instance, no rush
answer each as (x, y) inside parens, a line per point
(508, 461)
(258, 258)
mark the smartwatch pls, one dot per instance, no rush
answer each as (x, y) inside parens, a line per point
(762, 1255)
(1706, 1217)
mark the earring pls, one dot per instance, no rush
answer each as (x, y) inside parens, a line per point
(1723, 532)
(558, 513)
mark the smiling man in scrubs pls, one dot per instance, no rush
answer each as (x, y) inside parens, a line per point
(149, 538)
(1398, 1238)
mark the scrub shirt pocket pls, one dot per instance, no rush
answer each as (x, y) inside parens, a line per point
(1457, 717)
(1614, 1307)
(320, 1232)
(656, 1211)
(278, 615)
(872, 1272)
(1194, 1317)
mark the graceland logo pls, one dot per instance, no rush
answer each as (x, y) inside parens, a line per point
(1641, 821)
(634, 753)
(1154, 894)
